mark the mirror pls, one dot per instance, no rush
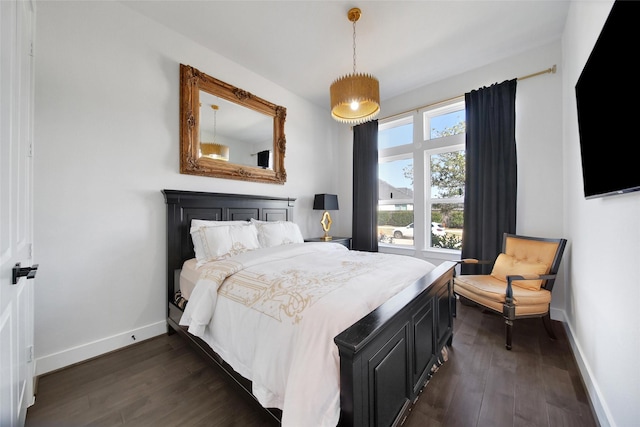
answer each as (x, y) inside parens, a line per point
(226, 132)
(246, 132)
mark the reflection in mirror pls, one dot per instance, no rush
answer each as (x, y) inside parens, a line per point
(210, 145)
(226, 132)
(240, 132)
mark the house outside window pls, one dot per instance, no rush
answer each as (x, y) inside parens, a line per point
(421, 178)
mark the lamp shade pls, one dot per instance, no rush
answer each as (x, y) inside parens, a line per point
(325, 202)
(214, 151)
(355, 98)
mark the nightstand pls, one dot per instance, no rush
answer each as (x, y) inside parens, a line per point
(345, 241)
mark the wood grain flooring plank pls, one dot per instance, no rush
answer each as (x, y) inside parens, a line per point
(470, 391)
(563, 417)
(530, 408)
(498, 397)
(57, 414)
(164, 398)
(81, 380)
(172, 415)
(559, 389)
(436, 397)
(153, 382)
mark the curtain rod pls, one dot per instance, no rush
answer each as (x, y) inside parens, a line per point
(551, 70)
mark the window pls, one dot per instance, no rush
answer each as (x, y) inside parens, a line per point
(421, 178)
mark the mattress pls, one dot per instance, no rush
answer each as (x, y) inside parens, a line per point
(189, 276)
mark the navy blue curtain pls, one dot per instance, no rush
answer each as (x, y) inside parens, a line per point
(365, 187)
(491, 172)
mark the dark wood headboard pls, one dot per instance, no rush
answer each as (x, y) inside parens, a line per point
(183, 206)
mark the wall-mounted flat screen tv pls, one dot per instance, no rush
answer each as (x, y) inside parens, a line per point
(608, 103)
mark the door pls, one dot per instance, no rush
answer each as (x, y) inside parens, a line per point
(16, 209)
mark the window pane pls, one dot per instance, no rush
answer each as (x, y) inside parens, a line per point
(396, 179)
(447, 174)
(447, 124)
(395, 224)
(395, 136)
(447, 220)
(395, 213)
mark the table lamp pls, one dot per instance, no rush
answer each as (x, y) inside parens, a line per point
(326, 202)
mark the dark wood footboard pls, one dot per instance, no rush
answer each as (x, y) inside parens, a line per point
(387, 357)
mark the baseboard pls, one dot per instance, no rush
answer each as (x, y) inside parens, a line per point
(598, 405)
(557, 314)
(55, 361)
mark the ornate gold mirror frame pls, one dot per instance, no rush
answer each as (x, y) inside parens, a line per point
(192, 162)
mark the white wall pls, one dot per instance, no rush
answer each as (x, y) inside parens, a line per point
(603, 289)
(106, 144)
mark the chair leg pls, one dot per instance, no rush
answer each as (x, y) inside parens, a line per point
(509, 313)
(454, 305)
(509, 329)
(546, 321)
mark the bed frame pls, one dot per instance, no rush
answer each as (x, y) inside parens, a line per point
(386, 358)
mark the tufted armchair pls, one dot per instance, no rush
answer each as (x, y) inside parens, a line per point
(520, 282)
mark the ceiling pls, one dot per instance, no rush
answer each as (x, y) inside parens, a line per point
(304, 46)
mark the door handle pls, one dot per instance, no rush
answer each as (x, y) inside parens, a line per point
(18, 271)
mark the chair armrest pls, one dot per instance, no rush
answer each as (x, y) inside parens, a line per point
(512, 277)
(473, 261)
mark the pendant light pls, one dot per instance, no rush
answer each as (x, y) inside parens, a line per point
(212, 149)
(355, 98)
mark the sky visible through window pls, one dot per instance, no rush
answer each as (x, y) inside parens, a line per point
(392, 172)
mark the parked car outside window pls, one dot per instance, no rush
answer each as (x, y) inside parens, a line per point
(407, 231)
(403, 232)
(437, 229)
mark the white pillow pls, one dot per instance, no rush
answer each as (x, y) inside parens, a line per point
(195, 223)
(276, 233)
(222, 241)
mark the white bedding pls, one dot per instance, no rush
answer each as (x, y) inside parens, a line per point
(272, 314)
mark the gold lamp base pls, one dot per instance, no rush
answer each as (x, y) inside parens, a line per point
(326, 225)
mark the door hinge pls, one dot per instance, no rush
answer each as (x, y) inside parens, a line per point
(31, 354)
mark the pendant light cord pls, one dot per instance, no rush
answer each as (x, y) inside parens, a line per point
(354, 47)
(215, 111)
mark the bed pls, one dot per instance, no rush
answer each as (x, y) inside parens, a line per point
(385, 355)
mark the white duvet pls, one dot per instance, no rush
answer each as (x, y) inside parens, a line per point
(272, 315)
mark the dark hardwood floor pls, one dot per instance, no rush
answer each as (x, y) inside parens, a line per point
(162, 382)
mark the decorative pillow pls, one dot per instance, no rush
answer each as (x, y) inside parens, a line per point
(222, 241)
(506, 265)
(276, 233)
(196, 223)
